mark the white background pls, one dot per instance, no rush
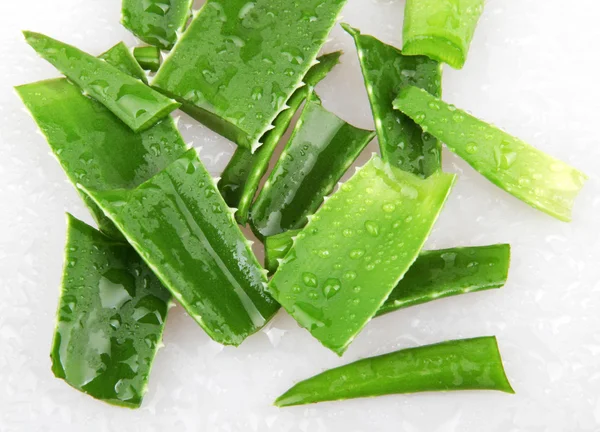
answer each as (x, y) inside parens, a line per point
(532, 69)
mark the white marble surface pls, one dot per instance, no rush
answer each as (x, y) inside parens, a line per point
(532, 70)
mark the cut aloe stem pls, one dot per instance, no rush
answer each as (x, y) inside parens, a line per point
(120, 57)
(180, 225)
(239, 62)
(525, 172)
(276, 248)
(356, 248)
(441, 30)
(320, 150)
(148, 57)
(156, 22)
(465, 364)
(386, 71)
(241, 178)
(136, 104)
(110, 318)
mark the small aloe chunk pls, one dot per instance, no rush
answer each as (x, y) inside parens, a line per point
(148, 57)
(136, 104)
(386, 71)
(525, 172)
(180, 225)
(110, 318)
(441, 30)
(320, 150)
(240, 179)
(238, 62)
(156, 22)
(120, 57)
(356, 248)
(465, 364)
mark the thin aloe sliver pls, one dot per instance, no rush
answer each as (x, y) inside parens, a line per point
(121, 57)
(148, 57)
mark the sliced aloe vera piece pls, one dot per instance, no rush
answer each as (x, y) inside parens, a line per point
(240, 179)
(110, 318)
(356, 248)
(136, 104)
(386, 71)
(525, 172)
(180, 225)
(156, 22)
(148, 57)
(466, 364)
(238, 62)
(120, 57)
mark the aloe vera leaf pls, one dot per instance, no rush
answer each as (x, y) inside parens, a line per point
(525, 172)
(238, 62)
(148, 57)
(110, 318)
(179, 224)
(385, 71)
(241, 178)
(136, 104)
(120, 57)
(464, 364)
(441, 30)
(356, 248)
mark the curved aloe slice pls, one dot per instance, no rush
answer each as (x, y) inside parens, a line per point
(148, 57)
(180, 225)
(120, 57)
(466, 364)
(386, 71)
(240, 179)
(320, 150)
(239, 62)
(136, 104)
(356, 248)
(441, 30)
(110, 318)
(156, 22)
(531, 175)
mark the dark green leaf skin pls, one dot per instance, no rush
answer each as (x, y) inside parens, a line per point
(120, 57)
(241, 177)
(238, 62)
(136, 104)
(441, 30)
(319, 152)
(386, 71)
(156, 22)
(525, 172)
(110, 318)
(465, 364)
(148, 57)
(179, 224)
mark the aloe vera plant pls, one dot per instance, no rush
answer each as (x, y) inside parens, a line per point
(356, 248)
(110, 318)
(240, 179)
(120, 57)
(148, 57)
(180, 225)
(136, 104)
(239, 62)
(465, 364)
(386, 70)
(531, 175)
(321, 149)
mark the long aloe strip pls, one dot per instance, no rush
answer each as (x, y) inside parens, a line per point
(180, 225)
(120, 57)
(356, 248)
(240, 179)
(525, 172)
(156, 22)
(320, 150)
(386, 70)
(110, 318)
(465, 364)
(148, 57)
(239, 62)
(441, 30)
(136, 104)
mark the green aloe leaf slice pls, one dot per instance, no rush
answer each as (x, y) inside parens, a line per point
(180, 225)
(525, 172)
(386, 71)
(148, 57)
(120, 57)
(238, 62)
(110, 318)
(136, 104)
(465, 364)
(356, 248)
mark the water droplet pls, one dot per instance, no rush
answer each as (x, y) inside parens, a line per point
(471, 148)
(389, 207)
(324, 253)
(257, 93)
(332, 287)
(372, 228)
(310, 279)
(244, 10)
(419, 117)
(296, 288)
(348, 232)
(434, 105)
(356, 289)
(357, 253)
(350, 275)
(458, 117)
